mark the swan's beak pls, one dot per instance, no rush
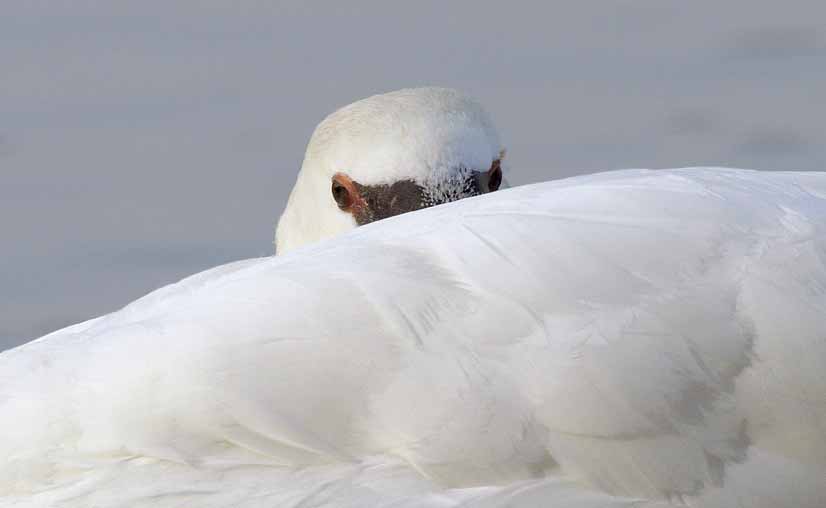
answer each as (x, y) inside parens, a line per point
(369, 203)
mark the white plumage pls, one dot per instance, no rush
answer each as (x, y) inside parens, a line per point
(426, 135)
(633, 338)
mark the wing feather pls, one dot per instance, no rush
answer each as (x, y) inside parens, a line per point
(595, 341)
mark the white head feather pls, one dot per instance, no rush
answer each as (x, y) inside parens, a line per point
(427, 135)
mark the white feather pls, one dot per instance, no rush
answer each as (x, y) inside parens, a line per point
(634, 338)
(426, 135)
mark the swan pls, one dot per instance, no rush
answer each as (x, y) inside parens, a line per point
(389, 154)
(632, 338)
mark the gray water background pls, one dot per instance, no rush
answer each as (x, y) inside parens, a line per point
(144, 141)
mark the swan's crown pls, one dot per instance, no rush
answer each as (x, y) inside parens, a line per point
(424, 135)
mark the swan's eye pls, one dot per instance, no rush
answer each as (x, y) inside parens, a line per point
(494, 177)
(342, 195)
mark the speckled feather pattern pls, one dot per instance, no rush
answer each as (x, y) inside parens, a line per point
(446, 189)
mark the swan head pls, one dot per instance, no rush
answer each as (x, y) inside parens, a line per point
(390, 154)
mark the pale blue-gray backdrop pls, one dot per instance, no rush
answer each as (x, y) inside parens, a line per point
(144, 141)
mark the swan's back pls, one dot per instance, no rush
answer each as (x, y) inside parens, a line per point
(625, 339)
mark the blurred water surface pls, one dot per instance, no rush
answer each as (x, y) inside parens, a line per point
(141, 142)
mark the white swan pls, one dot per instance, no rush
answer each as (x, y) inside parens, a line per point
(390, 154)
(632, 338)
